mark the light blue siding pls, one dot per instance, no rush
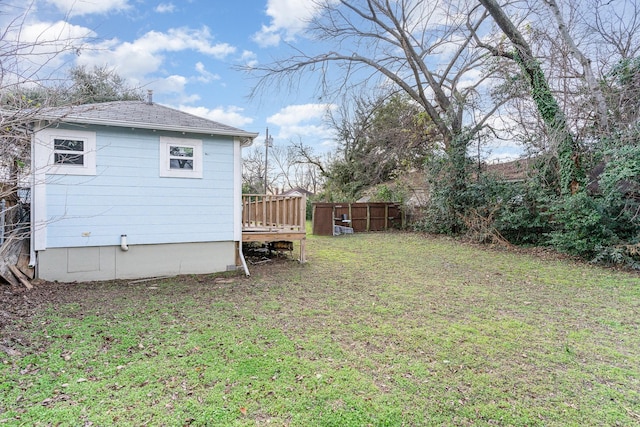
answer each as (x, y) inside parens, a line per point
(127, 195)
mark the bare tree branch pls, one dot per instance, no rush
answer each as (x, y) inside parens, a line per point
(601, 105)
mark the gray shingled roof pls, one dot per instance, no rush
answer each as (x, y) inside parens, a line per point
(139, 114)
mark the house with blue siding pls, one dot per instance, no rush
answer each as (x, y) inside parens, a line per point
(133, 189)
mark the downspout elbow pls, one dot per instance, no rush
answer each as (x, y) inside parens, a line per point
(244, 263)
(123, 242)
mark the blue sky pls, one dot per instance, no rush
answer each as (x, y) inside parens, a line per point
(186, 51)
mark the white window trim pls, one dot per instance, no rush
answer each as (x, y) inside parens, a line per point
(47, 137)
(165, 169)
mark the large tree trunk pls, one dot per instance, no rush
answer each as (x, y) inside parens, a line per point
(571, 173)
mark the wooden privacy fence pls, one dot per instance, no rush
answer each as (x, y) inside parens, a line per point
(362, 217)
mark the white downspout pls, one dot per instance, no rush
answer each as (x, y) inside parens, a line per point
(239, 143)
(32, 218)
(123, 242)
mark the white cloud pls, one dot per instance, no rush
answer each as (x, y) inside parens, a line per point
(178, 39)
(204, 75)
(58, 35)
(130, 60)
(288, 19)
(230, 115)
(171, 84)
(84, 7)
(165, 8)
(471, 78)
(304, 120)
(294, 114)
(267, 36)
(311, 131)
(145, 55)
(42, 47)
(146, 62)
(250, 59)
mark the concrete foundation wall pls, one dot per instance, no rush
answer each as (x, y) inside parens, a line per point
(111, 262)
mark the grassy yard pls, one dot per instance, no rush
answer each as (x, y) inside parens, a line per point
(375, 330)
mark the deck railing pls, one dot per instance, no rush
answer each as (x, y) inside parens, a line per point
(265, 212)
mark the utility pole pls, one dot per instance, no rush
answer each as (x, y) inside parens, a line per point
(268, 141)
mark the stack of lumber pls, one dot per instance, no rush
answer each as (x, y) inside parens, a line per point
(14, 262)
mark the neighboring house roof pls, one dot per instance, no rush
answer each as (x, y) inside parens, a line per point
(297, 190)
(511, 171)
(143, 115)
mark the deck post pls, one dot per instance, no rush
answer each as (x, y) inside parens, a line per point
(303, 251)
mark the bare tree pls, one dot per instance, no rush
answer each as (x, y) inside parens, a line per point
(295, 172)
(28, 69)
(581, 56)
(421, 48)
(304, 154)
(287, 169)
(615, 25)
(253, 170)
(569, 150)
(379, 138)
(585, 62)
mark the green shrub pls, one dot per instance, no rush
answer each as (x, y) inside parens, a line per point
(447, 176)
(523, 218)
(389, 193)
(309, 209)
(627, 255)
(620, 188)
(580, 226)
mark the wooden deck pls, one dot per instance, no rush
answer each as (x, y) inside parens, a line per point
(273, 218)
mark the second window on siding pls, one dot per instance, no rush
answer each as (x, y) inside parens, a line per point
(180, 157)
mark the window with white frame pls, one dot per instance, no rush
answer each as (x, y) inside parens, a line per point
(180, 157)
(71, 152)
(68, 151)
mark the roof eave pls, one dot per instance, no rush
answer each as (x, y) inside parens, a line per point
(185, 129)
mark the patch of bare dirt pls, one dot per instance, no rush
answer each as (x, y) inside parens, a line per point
(19, 305)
